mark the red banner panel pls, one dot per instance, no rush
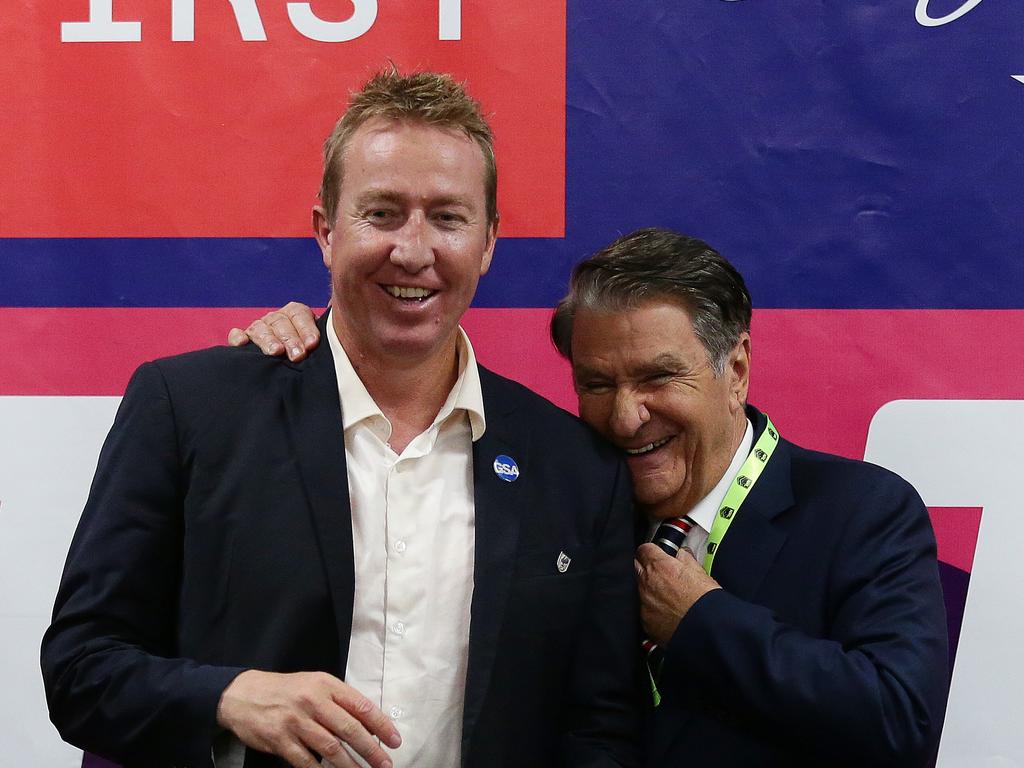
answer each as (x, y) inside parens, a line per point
(175, 118)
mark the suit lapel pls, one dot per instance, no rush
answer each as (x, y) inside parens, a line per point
(313, 413)
(747, 553)
(754, 540)
(497, 505)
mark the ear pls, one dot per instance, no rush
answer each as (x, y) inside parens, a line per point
(323, 232)
(492, 238)
(738, 371)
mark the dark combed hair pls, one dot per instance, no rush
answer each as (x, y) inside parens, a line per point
(658, 264)
(429, 98)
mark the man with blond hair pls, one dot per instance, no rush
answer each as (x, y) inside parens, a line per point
(286, 560)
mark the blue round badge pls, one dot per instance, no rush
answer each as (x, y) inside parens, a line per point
(506, 468)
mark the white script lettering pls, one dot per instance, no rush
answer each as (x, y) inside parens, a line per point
(921, 13)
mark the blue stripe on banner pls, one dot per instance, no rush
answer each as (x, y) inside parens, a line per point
(252, 272)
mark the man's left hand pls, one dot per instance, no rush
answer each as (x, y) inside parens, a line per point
(669, 586)
(291, 329)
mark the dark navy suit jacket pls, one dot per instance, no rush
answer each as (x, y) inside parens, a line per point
(827, 644)
(217, 537)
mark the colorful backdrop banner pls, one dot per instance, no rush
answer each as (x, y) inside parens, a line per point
(860, 163)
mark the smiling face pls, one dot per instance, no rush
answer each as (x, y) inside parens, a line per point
(410, 240)
(644, 381)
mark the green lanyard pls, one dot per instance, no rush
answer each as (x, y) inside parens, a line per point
(739, 489)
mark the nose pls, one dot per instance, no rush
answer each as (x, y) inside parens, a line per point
(629, 413)
(412, 250)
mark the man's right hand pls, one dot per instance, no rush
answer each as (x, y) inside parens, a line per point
(291, 329)
(294, 715)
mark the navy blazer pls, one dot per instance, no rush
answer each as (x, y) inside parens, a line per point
(827, 644)
(217, 537)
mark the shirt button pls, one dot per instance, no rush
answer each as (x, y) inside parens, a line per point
(398, 628)
(399, 546)
(396, 712)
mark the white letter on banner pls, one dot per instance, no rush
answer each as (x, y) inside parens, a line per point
(247, 16)
(921, 13)
(449, 20)
(964, 453)
(312, 26)
(101, 27)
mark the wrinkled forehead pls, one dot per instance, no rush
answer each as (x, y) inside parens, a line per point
(651, 335)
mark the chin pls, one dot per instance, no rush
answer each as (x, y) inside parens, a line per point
(412, 345)
(649, 497)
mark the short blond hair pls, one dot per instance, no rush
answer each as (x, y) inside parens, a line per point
(430, 98)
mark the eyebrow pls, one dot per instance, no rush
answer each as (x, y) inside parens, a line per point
(382, 195)
(664, 361)
(378, 196)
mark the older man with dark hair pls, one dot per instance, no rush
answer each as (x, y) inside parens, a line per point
(284, 561)
(791, 599)
(801, 621)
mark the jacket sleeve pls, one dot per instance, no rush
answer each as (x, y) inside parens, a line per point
(114, 682)
(602, 724)
(873, 690)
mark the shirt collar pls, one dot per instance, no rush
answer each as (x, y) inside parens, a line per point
(358, 405)
(703, 513)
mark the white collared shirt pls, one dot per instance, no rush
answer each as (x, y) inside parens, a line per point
(704, 511)
(413, 534)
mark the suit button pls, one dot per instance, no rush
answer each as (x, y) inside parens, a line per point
(396, 712)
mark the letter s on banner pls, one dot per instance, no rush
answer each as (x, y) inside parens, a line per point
(312, 26)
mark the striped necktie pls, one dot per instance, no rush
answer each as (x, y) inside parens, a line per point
(669, 538)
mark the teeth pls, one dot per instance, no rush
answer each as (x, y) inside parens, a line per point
(647, 448)
(403, 292)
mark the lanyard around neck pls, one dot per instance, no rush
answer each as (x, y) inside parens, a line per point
(739, 489)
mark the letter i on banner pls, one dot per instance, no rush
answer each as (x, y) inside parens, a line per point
(449, 20)
(101, 27)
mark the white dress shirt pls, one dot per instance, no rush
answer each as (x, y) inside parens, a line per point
(704, 511)
(413, 534)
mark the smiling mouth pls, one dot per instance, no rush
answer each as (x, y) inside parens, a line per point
(647, 448)
(408, 293)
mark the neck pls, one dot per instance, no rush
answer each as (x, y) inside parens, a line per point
(732, 444)
(409, 392)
